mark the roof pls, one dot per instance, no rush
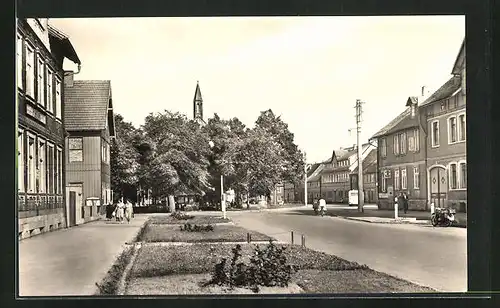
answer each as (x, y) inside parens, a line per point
(313, 168)
(459, 59)
(197, 93)
(86, 105)
(446, 90)
(316, 175)
(63, 40)
(412, 100)
(369, 163)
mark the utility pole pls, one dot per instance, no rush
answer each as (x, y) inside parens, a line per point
(305, 180)
(222, 201)
(360, 163)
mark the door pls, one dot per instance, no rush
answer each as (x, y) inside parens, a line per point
(439, 186)
(75, 204)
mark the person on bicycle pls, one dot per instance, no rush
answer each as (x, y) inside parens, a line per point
(322, 205)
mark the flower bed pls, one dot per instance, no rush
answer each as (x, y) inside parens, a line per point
(221, 233)
(198, 220)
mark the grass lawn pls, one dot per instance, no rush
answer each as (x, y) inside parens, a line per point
(197, 220)
(180, 269)
(221, 233)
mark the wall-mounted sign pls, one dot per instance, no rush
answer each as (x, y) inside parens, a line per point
(93, 201)
(387, 174)
(36, 114)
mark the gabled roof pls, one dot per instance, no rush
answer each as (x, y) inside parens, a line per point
(88, 105)
(369, 162)
(459, 59)
(316, 175)
(391, 125)
(58, 37)
(446, 90)
(412, 100)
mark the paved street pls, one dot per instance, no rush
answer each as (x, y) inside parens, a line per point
(434, 257)
(71, 261)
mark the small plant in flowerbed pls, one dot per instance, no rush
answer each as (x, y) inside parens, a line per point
(181, 216)
(268, 267)
(197, 228)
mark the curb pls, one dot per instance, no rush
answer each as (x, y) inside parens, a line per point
(165, 244)
(401, 222)
(122, 284)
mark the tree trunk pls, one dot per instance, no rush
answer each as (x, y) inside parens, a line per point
(171, 203)
(248, 201)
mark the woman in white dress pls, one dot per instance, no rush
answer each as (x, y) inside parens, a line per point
(129, 210)
(120, 211)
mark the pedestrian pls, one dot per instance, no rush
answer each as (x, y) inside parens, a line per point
(129, 210)
(405, 203)
(120, 211)
(400, 201)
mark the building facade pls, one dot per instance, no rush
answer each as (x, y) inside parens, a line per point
(90, 127)
(40, 53)
(369, 178)
(401, 159)
(445, 115)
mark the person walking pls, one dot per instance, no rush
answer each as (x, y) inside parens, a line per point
(120, 211)
(400, 201)
(129, 211)
(405, 203)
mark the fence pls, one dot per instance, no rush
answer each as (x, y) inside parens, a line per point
(292, 240)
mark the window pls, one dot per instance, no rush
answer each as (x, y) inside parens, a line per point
(75, 149)
(58, 99)
(402, 140)
(404, 180)
(413, 141)
(51, 169)
(383, 147)
(396, 145)
(42, 169)
(30, 71)
(453, 176)
(396, 179)
(463, 175)
(452, 130)
(50, 100)
(104, 150)
(31, 163)
(435, 133)
(461, 127)
(59, 172)
(20, 160)
(19, 58)
(383, 186)
(41, 82)
(416, 178)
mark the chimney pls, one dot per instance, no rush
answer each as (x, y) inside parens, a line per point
(68, 78)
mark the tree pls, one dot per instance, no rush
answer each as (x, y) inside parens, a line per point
(123, 160)
(177, 160)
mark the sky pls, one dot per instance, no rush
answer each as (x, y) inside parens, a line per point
(309, 70)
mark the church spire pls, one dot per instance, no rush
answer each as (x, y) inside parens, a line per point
(198, 104)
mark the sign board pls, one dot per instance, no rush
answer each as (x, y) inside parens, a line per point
(387, 174)
(383, 195)
(92, 201)
(353, 197)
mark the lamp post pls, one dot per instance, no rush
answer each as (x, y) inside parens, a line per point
(222, 201)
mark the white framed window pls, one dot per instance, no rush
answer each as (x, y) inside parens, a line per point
(20, 160)
(453, 176)
(50, 97)
(435, 133)
(42, 168)
(383, 147)
(19, 61)
(462, 171)
(396, 179)
(404, 179)
(50, 168)
(30, 71)
(383, 182)
(462, 131)
(414, 140)
(402, 140)
(396, 145)
(416, 178)
(75, 149)
(452, 129)
(31, 161)
(58, 99)
(41, 82)
(59, 173)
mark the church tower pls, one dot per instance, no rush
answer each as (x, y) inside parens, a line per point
(198, 105)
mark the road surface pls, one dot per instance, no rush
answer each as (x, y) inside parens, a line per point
(433, 257)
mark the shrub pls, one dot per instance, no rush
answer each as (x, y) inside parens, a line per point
(181, 216)
(268, 267)
(196, 228)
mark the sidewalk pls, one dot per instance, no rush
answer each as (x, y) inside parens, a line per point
(71, 261)
(421, 217)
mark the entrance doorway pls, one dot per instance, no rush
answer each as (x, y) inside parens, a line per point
(439, 186)
(75, 204)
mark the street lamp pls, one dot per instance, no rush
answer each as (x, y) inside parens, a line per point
(222, 202)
